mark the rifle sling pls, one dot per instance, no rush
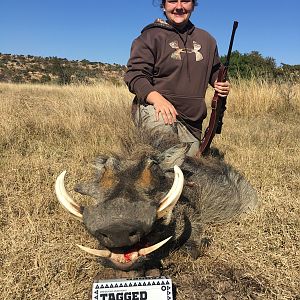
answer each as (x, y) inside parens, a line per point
(209, 132)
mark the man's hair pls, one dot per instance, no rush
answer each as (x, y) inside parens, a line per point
(163, 2)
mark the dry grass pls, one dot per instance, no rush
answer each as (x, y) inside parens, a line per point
(46, 129)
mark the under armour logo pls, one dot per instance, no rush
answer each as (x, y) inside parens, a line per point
(177, 53)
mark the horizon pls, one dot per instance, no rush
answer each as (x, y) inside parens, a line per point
(91, 61)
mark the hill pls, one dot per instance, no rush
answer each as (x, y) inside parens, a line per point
(36, 69)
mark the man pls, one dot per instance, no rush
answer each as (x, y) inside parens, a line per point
(170, 66)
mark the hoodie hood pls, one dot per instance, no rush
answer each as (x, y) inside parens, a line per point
(160, 23)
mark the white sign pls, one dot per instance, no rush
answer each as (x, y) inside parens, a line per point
(148, 288)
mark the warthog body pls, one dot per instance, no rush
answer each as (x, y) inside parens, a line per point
(125, 218)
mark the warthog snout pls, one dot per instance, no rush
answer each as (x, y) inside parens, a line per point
(119, 234)
(118, 223)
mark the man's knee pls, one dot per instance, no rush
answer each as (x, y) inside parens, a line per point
(146, 117)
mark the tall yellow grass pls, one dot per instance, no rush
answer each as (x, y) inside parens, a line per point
(46, 129)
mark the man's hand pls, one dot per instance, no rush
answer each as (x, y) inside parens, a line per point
(222, 88)
(162, 107)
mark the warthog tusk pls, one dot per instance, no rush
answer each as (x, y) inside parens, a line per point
(65, 200)
(100, 253)
(120, 257)
(148, 250)
(169, 201)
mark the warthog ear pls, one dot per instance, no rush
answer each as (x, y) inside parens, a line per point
(173, 156)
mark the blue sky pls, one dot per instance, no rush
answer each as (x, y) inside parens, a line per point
(100, 30)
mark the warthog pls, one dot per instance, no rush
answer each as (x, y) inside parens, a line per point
(149, 203)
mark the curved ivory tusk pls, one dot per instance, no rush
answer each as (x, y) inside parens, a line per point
(65, 200)
(120, 257)
(145, 251)
(100, 253)
(170, 200)
(171, 191)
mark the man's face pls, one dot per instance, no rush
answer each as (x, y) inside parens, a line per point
(179, 11)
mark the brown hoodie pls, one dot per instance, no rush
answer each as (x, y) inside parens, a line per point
(177, 64)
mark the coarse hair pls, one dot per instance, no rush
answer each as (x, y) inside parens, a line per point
(163, 2)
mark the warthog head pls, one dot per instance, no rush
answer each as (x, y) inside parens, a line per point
(134, 203)
(137, 217)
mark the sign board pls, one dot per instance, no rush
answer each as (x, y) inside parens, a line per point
(148, 288)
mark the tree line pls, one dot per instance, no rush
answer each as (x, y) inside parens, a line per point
(253, 64)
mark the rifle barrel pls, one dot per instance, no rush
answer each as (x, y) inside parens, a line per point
(235, 25)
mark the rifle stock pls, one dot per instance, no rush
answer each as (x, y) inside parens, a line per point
(218, 104)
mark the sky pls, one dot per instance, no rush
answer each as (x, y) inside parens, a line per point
(103, 30)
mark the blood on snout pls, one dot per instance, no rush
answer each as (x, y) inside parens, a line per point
(130, 256)
(127, 256)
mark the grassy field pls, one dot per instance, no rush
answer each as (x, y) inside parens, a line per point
(47, 129)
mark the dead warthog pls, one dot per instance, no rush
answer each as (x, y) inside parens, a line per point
(150, 203)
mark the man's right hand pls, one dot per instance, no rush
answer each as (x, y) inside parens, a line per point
(162, 107)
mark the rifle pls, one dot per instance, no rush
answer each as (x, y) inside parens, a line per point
(218, 104)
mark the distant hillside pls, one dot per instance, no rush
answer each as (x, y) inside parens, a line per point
(36, 69)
